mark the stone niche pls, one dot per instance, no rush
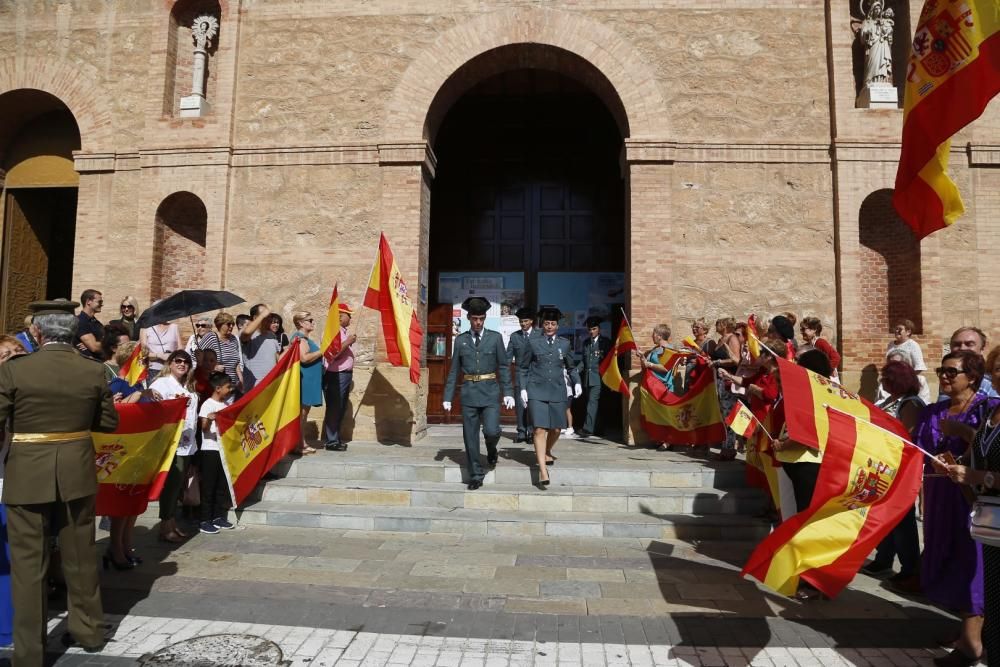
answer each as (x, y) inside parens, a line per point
(881, 47)
(192, 41)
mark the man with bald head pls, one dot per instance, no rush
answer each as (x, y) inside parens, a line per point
(973, 339)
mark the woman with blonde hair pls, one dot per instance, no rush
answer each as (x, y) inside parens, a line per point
(311, 366)
(129, 310)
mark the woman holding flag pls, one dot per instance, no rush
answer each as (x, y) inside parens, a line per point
(311, 366)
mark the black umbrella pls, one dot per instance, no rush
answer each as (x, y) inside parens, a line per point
(186, 303)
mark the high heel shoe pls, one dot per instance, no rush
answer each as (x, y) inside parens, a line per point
(133, 557)
(107, 560)
(543, 483)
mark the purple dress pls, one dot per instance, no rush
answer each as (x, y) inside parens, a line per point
(951, 570)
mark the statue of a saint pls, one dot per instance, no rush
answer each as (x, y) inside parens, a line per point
(875, 31)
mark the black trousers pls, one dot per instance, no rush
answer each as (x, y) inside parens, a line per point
(214, 488)
(803, 476)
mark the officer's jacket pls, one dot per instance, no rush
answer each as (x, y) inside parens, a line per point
(589, 365)
(54, 390)
(540, 369)
(468, 359)
(516, 344)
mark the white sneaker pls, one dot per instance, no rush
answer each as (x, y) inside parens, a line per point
(570, 433)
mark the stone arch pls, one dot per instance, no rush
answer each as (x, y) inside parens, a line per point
(607, 51)
(75, 86)
(179, 244)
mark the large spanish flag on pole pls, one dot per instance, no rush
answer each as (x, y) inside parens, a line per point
(611, 374)
(331, 343)
(867, 482)
(953, 72)
(387, 294)
(134, 370)
(133, 461)
(261, 428)
(691, 419)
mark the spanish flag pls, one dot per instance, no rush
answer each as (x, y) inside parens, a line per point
(261, 428)
(753, 343)
(952, 73)
(133, 461)
(868, 481)
(387, 294)
(135, 370)
(762, 467)
(611, 374)
(331, 342)
(741, 421)
(691, 419)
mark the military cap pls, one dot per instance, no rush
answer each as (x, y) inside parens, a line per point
(548, 313)
(593, 321)
(53, 307)
(525, 314)
(476, 305)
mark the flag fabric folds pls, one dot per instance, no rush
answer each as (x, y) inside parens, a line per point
(331, 343)
(261, 428)
(762, 468)
(611, 374)
(133, 461)
(952, 73)
(753, 343)
(868, 480)
(741, 421)
(690, 419)
(134, 370)
(387, 294)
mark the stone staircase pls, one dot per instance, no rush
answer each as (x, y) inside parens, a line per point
(599, 489)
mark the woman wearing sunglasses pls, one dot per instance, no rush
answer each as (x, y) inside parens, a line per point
(951, 571)
(176, 381)
(129, 310)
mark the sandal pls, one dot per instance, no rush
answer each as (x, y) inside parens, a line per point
(664, 447)
(809, 593)
(173, 537)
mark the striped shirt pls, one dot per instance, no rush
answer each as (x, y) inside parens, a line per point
(228, 352)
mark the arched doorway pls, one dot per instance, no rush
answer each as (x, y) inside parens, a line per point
(38, 135)
(528, 200)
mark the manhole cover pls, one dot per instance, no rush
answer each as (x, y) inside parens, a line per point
(217, 651)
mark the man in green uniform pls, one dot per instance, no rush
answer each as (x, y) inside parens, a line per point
(479, 356)
(595, 348)
(515, 348)
(54, 399)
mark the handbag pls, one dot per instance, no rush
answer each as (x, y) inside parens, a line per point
(192, 488)
(985, 515)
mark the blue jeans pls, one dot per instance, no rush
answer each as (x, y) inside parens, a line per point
(336, 391)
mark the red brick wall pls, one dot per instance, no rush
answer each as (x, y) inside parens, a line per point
(179, 245)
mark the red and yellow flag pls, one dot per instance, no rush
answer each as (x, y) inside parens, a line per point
(691, 419)
(753, 343)
(261, 428)
(134, 369)
(762, 467)
(868, 481)
(611, 374)
(387, 294)
(133, 461)
(953, 72)
(741, 421)
(331, 342)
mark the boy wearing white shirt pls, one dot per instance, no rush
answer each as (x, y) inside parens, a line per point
(214, 489)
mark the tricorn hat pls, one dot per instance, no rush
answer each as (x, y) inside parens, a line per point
(525, 313)
(476, 305)
(53, 307)
(550, 313)
(593, 321)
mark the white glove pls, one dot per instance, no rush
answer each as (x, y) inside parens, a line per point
(577, 391)
(569, 392)
(508, 402)
(447, 406)
(524, 397)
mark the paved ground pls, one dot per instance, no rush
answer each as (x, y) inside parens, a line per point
(346, 598)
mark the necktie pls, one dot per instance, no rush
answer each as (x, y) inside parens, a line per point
(550, 341)
(475, 339)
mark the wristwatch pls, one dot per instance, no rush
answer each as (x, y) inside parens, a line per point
(989, 479)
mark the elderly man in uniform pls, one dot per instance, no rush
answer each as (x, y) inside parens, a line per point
(595, 348)
(543, 386)
(515, 347)
(54, 399)
(479, 355)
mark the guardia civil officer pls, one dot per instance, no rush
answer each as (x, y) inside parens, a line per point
(595, 348)
(478, 357)
(515, 348)
(543, 387)
(54, 399)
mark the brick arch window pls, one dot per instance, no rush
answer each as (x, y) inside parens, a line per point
(178, 244)
(181, 54)
(890, 268)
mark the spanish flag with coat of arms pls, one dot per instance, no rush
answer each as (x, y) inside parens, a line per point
(952, 74)
(262, 427)
(133, 461)
(693, 418)
(387, 293)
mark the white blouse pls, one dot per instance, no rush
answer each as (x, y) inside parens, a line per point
(168, 387)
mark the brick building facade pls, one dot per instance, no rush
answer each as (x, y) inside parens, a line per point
(751, 182)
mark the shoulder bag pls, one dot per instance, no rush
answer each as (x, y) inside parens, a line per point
(985, 515)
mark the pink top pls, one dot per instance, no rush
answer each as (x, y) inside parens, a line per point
(344, 361)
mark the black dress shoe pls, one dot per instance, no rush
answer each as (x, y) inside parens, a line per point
(69, 640)
(585, 434)
(492, 461)
(475, 484)
(957, 659)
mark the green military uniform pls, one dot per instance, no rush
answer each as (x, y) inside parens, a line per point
(515, 348)
(54, 399)
(594, 351)
(484, 372)
(540, 372)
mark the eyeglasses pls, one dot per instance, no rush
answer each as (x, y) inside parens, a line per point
(202, 325)
(127, 306)
(181, 361)
(949, 372)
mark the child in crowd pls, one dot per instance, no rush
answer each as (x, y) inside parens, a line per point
(214, 489)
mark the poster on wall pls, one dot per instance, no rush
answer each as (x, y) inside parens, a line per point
(504, 291)
(579, 296)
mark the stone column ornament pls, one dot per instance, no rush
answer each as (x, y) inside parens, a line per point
(205, 28)
(875, 32)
